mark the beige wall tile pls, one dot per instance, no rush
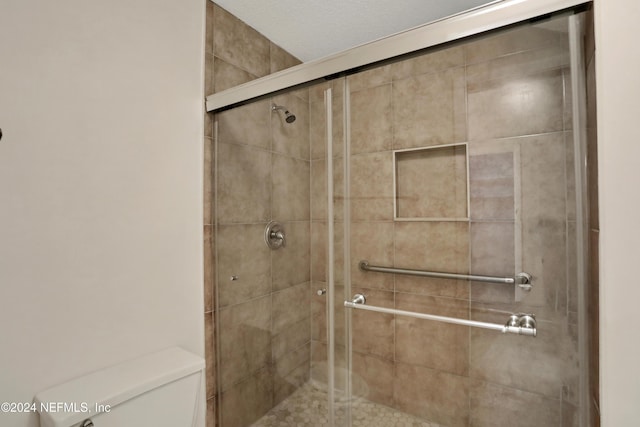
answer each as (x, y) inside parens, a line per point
(208, 182)
(210, 356)
(244, 184)
(319, 372)
(568, 99)
(248, 400)
(372, 186)
(431, 394)
(248, 125)
(526, 105)
(431, 344)
(432, 286)
(492, 186)
(436, 246)
(226, 75)
(570, 176)
(371, 120)
(286, 384)
(317, 128)
(239, 44)
(212, 414)
(209, 26)
(318, 312)
(280, 59)
(319, 251)
(319, 189)
(291, 263)
(493, 405)
(429, 109)
(544, 365)
(430, 62)
(290, 306)
(570, 415)
(550, 57)
(290, 188)
(208, 79)
(242, 253)
(291, 371)
(340, 296)
(432, 246)
(544, 178)
(245, 339)
(432, 183)
(291, 338)
(372, 241)
(572, 269)
(370, 78)
(512, 41)
(373, 378)
(373, 333)
(209, 276)
(318, 123)
(493, 254)
(544, 256)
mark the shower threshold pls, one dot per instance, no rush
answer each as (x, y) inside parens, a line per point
(307, 406)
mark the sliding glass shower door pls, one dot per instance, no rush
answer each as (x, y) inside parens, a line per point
(461, 160)
(402, 245)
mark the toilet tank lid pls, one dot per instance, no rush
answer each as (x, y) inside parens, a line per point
(116, 384)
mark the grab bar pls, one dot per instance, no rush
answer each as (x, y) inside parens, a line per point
(522, 280)
(521, 323)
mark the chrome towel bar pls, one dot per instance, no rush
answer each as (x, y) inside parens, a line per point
(521, 323)
(522, 280)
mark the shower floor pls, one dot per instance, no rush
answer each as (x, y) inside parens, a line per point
(307, 406)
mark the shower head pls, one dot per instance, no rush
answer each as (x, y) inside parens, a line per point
(288, 117)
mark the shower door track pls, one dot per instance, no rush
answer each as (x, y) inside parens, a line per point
(497, 14)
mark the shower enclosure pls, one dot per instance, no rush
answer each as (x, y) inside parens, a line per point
(458, 159)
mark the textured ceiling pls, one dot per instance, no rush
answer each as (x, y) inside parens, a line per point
(312, 29)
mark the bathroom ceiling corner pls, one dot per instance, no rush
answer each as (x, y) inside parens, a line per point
(311, 29)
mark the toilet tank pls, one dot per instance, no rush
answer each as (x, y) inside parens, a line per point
(161, 389)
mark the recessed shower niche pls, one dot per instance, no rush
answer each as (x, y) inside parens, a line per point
(431, 183)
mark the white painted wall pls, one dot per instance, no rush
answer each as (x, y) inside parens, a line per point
(100, 187)
(618, 87)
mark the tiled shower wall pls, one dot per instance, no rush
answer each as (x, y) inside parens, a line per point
(507, 96)
(264, 330)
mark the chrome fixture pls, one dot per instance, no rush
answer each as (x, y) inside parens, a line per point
(234, 278)
(521, 320)
(521, 324)
(321, 292)
(522, 280)
(87, 423)
(274, 235)
(357, 299)
(288, 117)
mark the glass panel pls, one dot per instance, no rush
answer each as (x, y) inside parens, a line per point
(271, 318)
(263, 295)
(506, 96)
